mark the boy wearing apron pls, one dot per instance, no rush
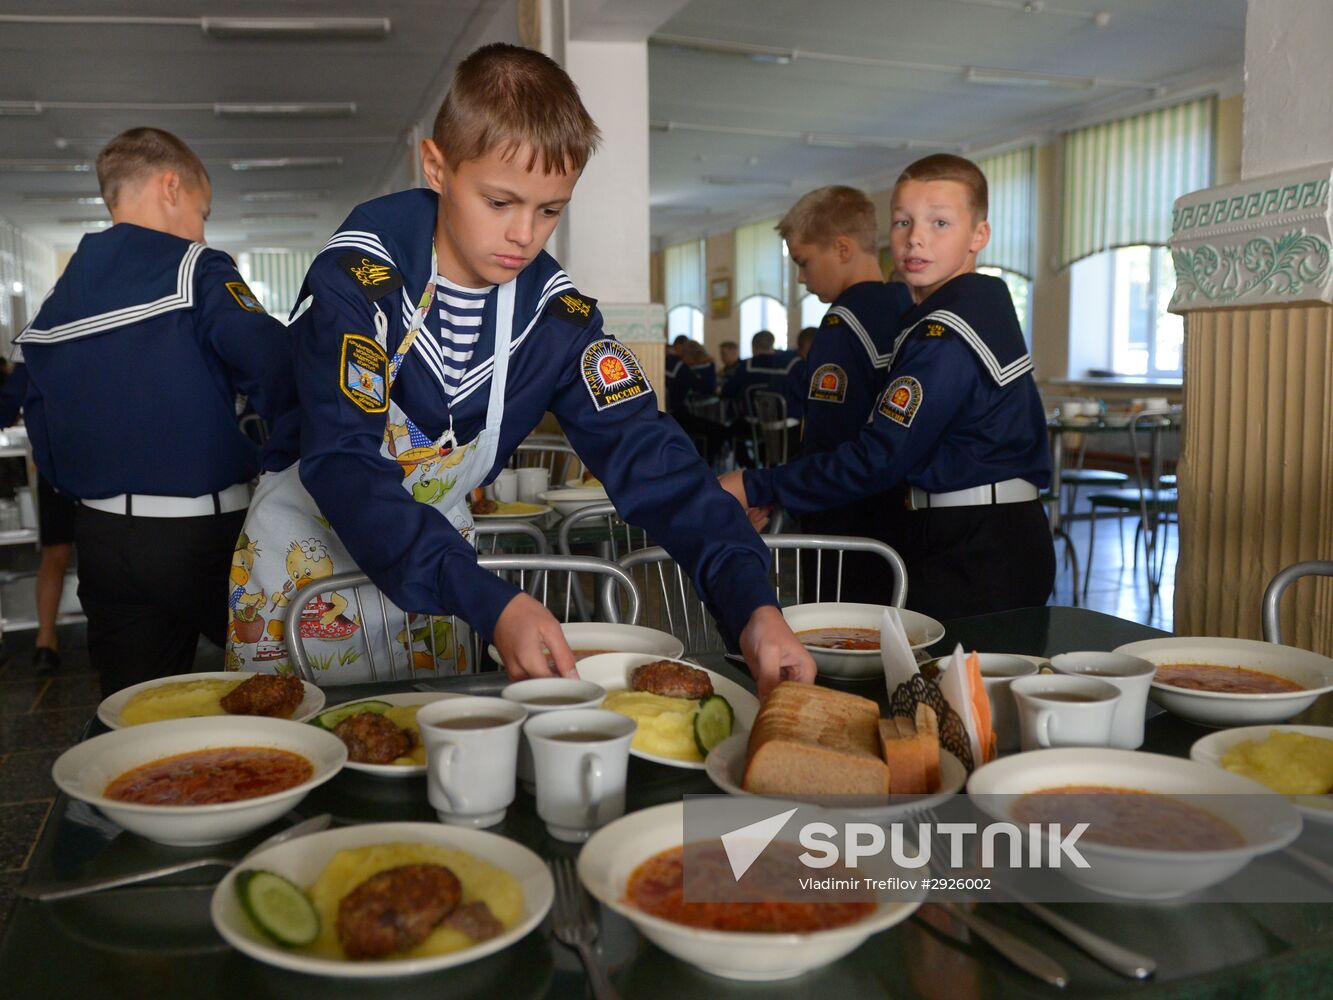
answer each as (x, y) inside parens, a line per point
(437, 335)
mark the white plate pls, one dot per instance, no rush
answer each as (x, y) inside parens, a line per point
(108, 712)
(922, 631)
(85, 769)
(567, 500)
(1220, 708)
(516, 511)
(726, 768)
(301, 860)
(612, 671)
(620, 638)
(405, 698)
(579, 484)
(1209, 750)
(612, 854)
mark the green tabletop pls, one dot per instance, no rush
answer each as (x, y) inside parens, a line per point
(157, 940)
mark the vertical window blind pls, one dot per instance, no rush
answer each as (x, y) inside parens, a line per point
(685, 275)
(1122, 177)
(1011, 182)
(760, 264)
(27, 272)
(275, 277)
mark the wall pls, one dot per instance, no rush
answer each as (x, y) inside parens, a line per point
(720, 262)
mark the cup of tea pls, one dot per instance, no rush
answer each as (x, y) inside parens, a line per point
(540, 695)
(1130, 674)
(581, 757)
(532, 482)
(471, 757)
(505, 487)
(1061, 710)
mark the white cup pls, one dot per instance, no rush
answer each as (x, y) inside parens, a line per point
(1130, 674)
(539, 695)
(505, 487)
(581, 756)
(470, 765)
(998, 672)
(1060, 710)
(531, 482)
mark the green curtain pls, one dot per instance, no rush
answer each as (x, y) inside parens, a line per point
(685, 275)
(760, 264)
(275, 277)
(1011, 181)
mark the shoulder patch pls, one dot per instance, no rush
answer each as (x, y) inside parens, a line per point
(901, 400)
(936, 329)
(828, 384)
(612, 374)
(375, 278)
(364, 373)
(572, 308)
(245, 298)
(832, 320)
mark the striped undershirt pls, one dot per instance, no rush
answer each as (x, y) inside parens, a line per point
(460, 327)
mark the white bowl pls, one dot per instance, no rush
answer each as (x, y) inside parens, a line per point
(84, 770)
(922, 631)
(620, 638)
(612, 671)
(1209, 750)
(568, 499)
(108, 712)
(402, 698)
(613, 852)
(1219, 708)
(1139, 873)
(300, 862)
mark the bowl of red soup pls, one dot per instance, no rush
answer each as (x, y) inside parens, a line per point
(1233, 682)
(1159, 827)
(843, 637)
(637, 866)
(199, 781)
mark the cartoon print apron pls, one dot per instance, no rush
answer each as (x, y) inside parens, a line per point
(286, 544)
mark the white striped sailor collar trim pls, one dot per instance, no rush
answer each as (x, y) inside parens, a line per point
(1002, 374)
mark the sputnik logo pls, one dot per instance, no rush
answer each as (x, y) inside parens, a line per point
(745, 844)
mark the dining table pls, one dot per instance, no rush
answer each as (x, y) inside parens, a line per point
(157, 940)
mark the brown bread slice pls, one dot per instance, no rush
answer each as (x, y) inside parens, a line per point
(912, 752)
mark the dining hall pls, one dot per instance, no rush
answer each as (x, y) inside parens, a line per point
(648, 498)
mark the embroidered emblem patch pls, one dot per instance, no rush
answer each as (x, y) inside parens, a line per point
(901, 400)
(571, 307)
(934, 330)
(832, 321)
(829, 384)
(245, 298)
(613, 374)
(375, 278)
(364, 371)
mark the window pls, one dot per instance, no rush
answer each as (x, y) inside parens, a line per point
(761, 282)
(687, 320)
(685, 290)
(812, 310)
(1118, 316)
(763, 312)
(1020, 290)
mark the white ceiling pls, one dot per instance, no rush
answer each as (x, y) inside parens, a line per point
(702, 181)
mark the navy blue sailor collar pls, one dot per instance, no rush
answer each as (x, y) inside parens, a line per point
(979, 309)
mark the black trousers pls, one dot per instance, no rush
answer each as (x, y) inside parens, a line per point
(866, 578)
(150, 587)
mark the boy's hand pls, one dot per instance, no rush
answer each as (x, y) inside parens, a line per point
(773, 653)
(523, 634)
(758, 517)
(734, 483)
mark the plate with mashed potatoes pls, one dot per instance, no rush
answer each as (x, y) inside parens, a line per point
(682, 710)
(220, 692)
(381, 733)
(1295, 761)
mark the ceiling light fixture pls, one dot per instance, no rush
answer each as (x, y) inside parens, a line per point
(731, 180)
(44, 167)
(854, 141)
(1023, 78)
(287, 163)
(86, 223)
(251, 220)
(64, 199)
(340, 109)
(296, 28)
(270, 196)
(19, 108)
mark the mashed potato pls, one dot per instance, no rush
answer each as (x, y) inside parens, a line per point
(348, 869)
(1290, 763)
(181, 700)
(666, 725)
(405, 717)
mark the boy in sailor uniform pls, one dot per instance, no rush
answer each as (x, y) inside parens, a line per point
(959, 420)
(830, 236)
(134, 363)
(438, 311)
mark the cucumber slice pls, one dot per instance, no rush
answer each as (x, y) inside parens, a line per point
(713, 722)
(331, 718)
(278, 908)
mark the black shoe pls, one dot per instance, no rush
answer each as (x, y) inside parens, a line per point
(46, 660)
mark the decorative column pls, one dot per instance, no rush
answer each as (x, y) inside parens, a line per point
(1254, 280)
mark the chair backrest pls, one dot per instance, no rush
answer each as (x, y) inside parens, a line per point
(671, 603)
(768, 426)
(600, 527)
(557, 456)
(1272, 603)
(1145, 430)
(389, 637)
(500, 537)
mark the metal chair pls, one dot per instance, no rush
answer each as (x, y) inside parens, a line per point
(496, 537)
(769, 426)
(396, 645)
(671, 603)
(1273, 593)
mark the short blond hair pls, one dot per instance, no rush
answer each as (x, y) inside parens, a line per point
(138, 152)
(505, 97)
(948, 167)
(826, 213)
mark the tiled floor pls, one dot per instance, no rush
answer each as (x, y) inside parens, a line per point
(41, 716)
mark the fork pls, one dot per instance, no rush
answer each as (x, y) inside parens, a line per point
(575, 925)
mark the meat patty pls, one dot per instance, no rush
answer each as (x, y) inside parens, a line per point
(372, 738)
(265, 694)
(671, 680)
(475, 920)
(396, 909)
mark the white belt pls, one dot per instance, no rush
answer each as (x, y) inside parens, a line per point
(231, 499)
(1009, 491)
